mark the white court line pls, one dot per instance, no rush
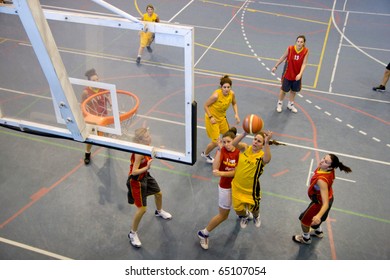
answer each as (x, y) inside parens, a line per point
(288, 144)
(216, 38)
(343, 179)
(185, 7)
(338, 55)
(310, 172)
(368, 48)
(33, 249)
(25, 93)
(349, 41)
(321, 9)
(217, 75)
(337, 153)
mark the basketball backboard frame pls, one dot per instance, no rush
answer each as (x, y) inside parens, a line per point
(34, 20)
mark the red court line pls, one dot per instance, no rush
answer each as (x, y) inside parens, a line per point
(42, 192)
(280, 173)
(169, 114)
(330, 236)
(39, 194)
(167, 164)
(201, 177)
(306, 156)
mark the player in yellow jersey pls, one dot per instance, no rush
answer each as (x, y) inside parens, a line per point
(215, 109)
(146, 37)
(246, 192)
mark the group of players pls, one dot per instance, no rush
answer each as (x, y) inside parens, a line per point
(238, 164)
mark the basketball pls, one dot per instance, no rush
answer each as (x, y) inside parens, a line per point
(252, 124)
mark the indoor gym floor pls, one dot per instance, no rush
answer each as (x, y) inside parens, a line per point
(53, 206)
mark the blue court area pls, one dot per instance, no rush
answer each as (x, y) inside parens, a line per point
(52, 206)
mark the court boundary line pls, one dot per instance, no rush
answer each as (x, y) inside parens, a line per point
(33, 249)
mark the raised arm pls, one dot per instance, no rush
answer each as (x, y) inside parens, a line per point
(267, 150)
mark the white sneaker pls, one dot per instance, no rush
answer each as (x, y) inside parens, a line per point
(316, 232)
(244, 221)
(292, 107)
(204, 240)
(279, 107)
(134, 240)
(300, 239)
(209, 159)
(257, 221)
(163, 214)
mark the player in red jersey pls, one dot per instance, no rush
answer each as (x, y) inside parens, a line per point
(320, 193)
(224, 164)
(296, 60)
(140, 185)
(97, 106)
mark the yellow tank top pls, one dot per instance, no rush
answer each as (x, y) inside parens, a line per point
(218, 108)
(146, 17)
(248, 170)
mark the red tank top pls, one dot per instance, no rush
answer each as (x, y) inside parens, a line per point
(294, 62)
(229, 162)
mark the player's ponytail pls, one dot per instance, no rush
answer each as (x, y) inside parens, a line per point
(336, 163)
(276, 143)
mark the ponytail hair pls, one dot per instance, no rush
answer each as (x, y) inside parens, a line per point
(336, 163)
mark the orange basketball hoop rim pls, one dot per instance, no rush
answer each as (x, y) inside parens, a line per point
(107, 120)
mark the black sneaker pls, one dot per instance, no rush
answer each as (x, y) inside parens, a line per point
(138, 60)
(149, 49)
(87, 158)
(379, 88)
(209, 159)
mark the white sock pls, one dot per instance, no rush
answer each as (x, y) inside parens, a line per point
(205, 231)
(306, 235)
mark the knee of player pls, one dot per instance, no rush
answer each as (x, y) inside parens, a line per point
(224, 215)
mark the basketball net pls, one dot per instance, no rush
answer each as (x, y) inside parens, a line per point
(97, 109)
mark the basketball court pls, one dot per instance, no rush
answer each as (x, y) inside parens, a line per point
(53, 206)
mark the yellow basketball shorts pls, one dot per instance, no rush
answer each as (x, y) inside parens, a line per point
(242, 201)
(215, 130)
(146, 38)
